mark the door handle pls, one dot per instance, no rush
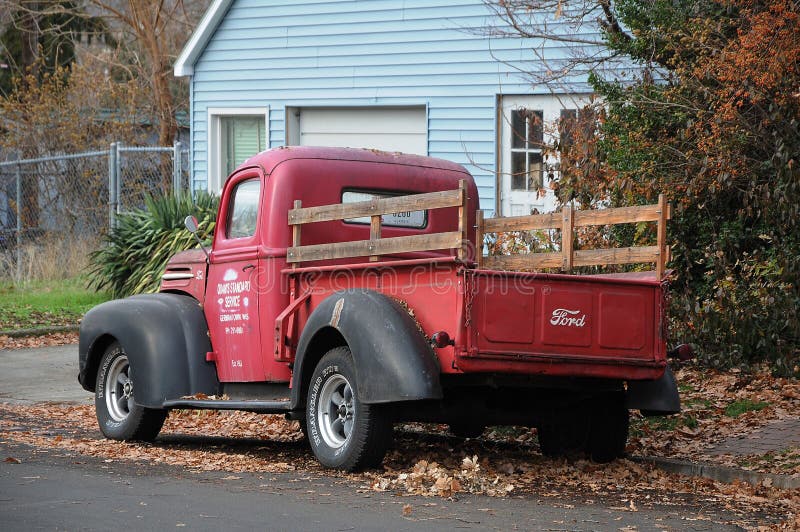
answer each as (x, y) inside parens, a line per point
(248, 267)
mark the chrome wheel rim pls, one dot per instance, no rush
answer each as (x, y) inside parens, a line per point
(119, 389)
(336, 411)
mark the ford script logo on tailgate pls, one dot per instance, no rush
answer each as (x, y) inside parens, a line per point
(567, 318)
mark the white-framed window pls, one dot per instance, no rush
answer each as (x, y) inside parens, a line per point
(234, 134)
(530, 126)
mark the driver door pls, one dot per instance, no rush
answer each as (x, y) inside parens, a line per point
(233, 280)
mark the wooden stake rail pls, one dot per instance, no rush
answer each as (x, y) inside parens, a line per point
(566, 221)
(376, 245)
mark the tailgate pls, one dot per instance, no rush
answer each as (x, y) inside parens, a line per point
(568, 325)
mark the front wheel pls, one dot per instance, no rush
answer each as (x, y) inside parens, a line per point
(118, 415)
(344, 433)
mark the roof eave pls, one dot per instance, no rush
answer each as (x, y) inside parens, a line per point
(184, 65)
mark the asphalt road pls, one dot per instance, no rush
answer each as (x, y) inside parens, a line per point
(49, 489)
(41, 374)
(58, 492)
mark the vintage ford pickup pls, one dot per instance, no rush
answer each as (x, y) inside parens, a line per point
(348, 289)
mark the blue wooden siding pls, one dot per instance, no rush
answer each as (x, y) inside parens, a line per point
(364, 53)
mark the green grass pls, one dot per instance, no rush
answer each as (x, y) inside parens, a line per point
(663, 423)
(737, 408)
(45, 303)
(698, 404)
(784, 461)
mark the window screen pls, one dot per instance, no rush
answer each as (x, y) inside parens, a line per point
(242, 137)
(527, 141)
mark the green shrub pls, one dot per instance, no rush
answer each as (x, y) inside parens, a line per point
(137, 250)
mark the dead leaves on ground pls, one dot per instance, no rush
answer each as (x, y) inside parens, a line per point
(45, 340)
(425, 461)
(703, 422)
(419, 464)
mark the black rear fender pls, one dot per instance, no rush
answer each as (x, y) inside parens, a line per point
(655, 398)
(393, 359)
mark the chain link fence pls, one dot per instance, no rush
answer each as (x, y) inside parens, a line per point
(54, 211)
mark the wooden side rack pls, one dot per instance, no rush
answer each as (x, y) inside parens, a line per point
(376, 245)
(566, 221)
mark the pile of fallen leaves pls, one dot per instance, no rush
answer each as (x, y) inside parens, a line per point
(43, 340)
(718, 406)
(432, 478)
(421, 462)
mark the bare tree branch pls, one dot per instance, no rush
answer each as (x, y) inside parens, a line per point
(581, 23)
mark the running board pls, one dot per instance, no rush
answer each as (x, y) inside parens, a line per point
(261, 407)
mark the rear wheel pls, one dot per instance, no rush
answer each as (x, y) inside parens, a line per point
(608, 434)
(563, 432)
(118, 415)
(343, 432)
(466, 429)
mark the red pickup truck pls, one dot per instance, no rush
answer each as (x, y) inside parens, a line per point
(348, 289)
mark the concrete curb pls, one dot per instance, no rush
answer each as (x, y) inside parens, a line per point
(19, 333)
(718, 472)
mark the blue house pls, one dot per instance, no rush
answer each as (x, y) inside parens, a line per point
(418, 76)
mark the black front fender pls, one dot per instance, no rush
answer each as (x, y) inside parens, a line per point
(393, 360)
(166, 339)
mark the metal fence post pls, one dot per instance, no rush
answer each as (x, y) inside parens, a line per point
(177, 170)
(113, 182)
(118, 175)
(19, 223)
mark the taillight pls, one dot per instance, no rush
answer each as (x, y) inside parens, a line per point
(683, 352)
(441, 339)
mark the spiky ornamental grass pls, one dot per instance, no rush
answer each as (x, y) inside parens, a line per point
(137, 250)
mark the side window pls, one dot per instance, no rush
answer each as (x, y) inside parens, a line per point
(243, 211)
(575, 125)
(527, 141)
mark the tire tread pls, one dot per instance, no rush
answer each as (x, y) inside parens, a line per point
(142, 424)
(368, 446)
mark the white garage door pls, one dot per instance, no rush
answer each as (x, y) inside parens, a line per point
(390, 129)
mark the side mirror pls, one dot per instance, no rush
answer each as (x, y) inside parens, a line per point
(191, 224)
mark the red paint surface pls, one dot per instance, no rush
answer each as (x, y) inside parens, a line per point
(507, 322)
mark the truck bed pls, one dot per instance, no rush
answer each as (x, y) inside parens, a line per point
(503, 317)
(603, 326)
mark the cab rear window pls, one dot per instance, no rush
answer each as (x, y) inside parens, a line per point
(411, 219)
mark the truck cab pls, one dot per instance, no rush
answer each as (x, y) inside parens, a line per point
(246, 286)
